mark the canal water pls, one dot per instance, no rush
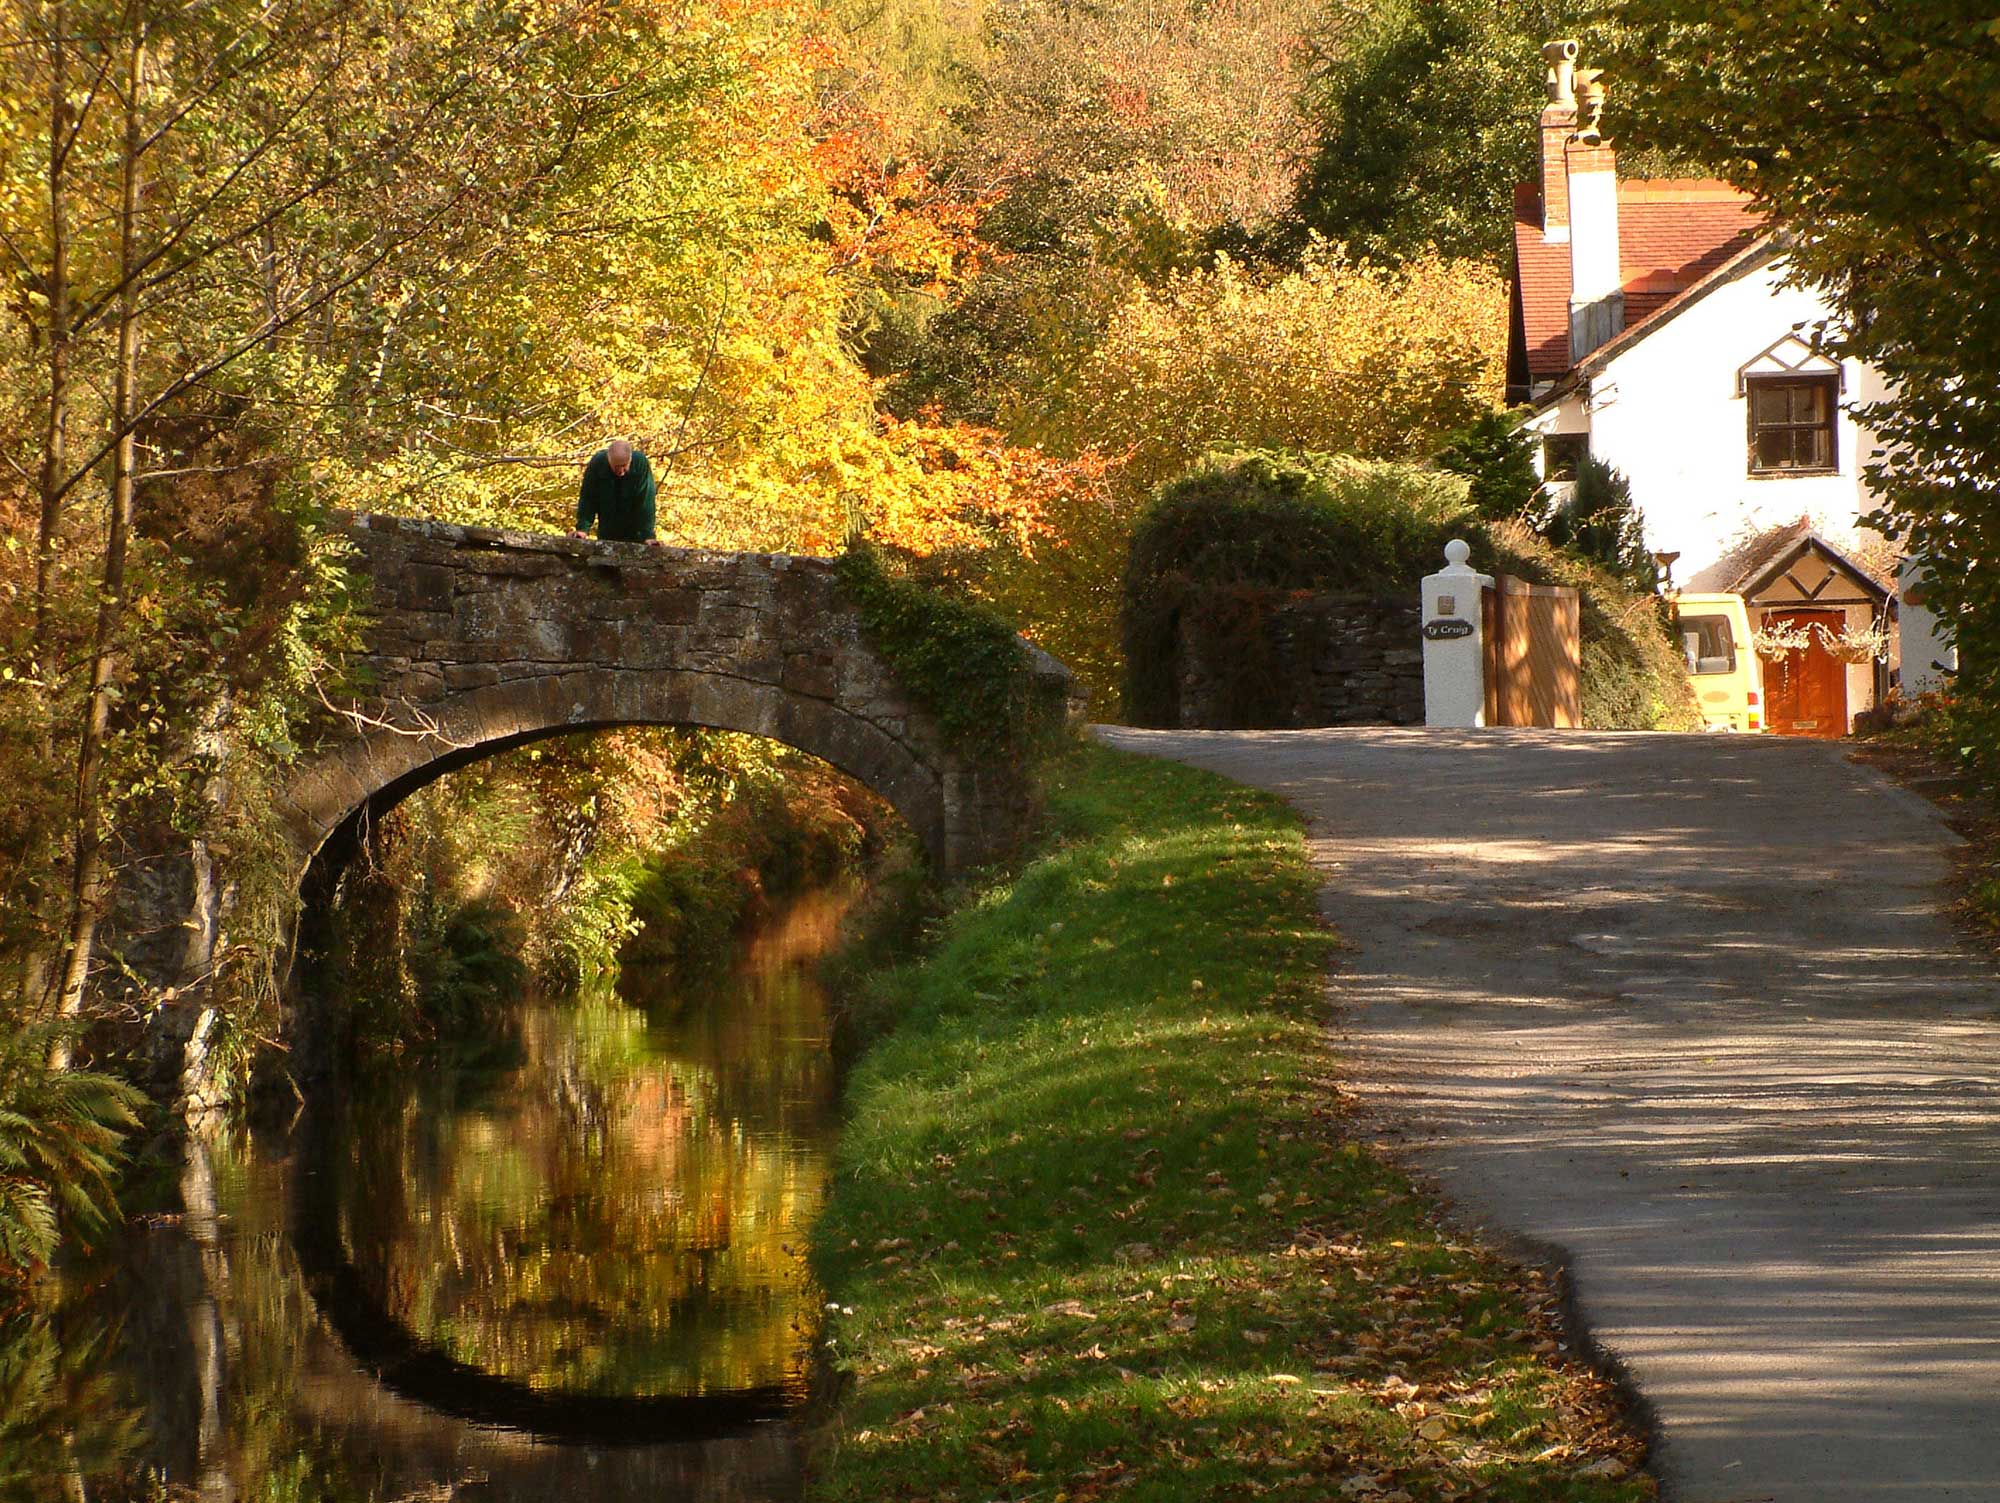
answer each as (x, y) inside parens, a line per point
(572, 1272)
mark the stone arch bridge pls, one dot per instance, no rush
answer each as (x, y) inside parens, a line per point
(478, 640)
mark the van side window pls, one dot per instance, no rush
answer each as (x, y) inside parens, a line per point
(1707, 644)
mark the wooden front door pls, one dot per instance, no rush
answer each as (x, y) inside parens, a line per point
(1805, 690)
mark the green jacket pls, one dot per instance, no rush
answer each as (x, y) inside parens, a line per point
(620, 505)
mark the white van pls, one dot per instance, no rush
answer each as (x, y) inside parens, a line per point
(1713, 632)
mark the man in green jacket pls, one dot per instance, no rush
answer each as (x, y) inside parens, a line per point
(617, 495)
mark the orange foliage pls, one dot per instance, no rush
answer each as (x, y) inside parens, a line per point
(888, 211)
(970, 488)
(891, 214)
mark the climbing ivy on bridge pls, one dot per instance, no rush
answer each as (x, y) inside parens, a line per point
(959, 660)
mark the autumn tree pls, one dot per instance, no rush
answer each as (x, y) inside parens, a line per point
(202, 199)
(1111, 144)
(1337, 357)
(269, 257)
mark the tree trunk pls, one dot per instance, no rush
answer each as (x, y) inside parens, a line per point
(55, 456)
(90, 888)
(38, 966)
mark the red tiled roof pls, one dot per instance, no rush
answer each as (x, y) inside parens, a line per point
(1671, 233)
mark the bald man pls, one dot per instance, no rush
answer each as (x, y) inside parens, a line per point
(617, 495)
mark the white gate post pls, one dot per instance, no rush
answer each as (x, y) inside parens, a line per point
(1454, 641)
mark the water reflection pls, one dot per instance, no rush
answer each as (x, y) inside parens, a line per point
(473, 1283)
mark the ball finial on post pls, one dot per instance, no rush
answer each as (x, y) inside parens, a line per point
(1457, 552)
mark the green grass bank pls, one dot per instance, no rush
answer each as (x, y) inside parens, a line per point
(1102, 1228)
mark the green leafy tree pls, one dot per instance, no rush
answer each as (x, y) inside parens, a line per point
(1870, 134)
(1497, 459)
(1425, 116)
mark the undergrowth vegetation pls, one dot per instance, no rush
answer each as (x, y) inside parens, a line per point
(775, 837)
(61, 1148)
(1101, 1227)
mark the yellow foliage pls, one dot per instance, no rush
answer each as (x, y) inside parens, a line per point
(1066, 593)
(1338, 357)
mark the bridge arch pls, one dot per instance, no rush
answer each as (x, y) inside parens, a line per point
(380, 767)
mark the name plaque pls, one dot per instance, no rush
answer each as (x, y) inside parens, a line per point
(1446, 630)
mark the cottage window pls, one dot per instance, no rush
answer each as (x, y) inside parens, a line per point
(1563, 455)
(1792, 425)
(1707, 644)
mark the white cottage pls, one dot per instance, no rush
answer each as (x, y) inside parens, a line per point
(1653, 329)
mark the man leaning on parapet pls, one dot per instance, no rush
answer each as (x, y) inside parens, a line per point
(617, 495)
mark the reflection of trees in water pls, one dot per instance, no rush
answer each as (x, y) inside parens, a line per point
(558, 1191)
(626, 1212)
(65, 1420)
(299, 1418)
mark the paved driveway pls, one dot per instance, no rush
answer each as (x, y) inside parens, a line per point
(1682, 1007)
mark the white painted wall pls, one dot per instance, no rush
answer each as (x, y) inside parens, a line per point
(1666, 413)
(1922, 643)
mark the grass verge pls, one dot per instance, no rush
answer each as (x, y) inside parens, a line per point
(1099, 1228)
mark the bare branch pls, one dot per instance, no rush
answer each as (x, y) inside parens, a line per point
(426, 728)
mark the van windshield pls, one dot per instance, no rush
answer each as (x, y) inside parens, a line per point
(1707, 644)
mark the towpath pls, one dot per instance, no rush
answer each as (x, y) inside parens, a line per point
(1683, 1009)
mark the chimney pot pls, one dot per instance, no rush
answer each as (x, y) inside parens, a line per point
(1591, 89)
(1557, 125)
(1561, 79)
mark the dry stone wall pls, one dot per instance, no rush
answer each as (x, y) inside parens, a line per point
(1308, 660)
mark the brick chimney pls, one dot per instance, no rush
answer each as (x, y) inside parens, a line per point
(1580, 197)
(1558, 125)
(1596, 289)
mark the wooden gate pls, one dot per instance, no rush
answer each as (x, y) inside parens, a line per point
(1534, 654)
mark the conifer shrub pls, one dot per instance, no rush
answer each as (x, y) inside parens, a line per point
(1597, 521)
(1497, 460)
